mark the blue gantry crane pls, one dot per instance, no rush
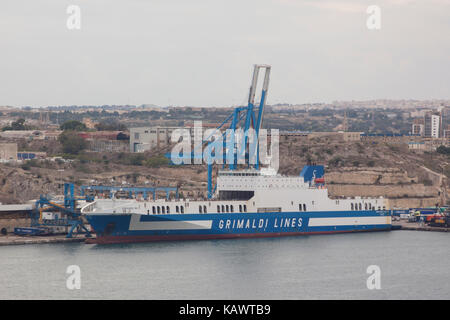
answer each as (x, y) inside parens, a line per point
(68, 215)
(246, 117)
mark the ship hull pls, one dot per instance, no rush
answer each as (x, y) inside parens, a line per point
(128, 228)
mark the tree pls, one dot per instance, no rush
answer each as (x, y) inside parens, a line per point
(73, 125)
(443, 150)
(71, 142)
(16, 125)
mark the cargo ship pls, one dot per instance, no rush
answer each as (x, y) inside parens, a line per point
(247, 204)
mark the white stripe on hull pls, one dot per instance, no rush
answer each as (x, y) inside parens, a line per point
(136, 225)
(348, 221)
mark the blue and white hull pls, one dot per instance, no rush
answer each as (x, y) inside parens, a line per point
(120, 228)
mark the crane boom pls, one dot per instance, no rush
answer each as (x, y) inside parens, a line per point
(252, 120)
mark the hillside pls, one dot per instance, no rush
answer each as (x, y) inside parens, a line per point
(408, 179)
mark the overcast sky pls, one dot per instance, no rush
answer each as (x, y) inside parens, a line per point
(201, 52)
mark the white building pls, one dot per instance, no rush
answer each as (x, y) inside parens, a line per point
(147, 138)
(432, 125)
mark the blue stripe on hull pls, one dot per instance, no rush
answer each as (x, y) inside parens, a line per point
(126, 227)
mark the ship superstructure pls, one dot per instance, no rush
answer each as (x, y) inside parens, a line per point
(245, 191)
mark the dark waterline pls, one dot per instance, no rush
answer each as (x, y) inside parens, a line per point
(414, 265)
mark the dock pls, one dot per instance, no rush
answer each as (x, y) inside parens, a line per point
(16, 240)
(416, 226)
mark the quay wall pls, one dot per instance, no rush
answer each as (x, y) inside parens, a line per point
(10, 224)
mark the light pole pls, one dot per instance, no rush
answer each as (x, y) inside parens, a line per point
(60, 177)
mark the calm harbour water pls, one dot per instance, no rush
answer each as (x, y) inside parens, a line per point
(414, 265)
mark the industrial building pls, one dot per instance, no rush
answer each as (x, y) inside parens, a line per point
(31, 134)
(418, 127)
(8, 151)
(97, 145)
(146, 138)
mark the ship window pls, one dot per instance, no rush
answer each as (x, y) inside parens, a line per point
(177, 209)
(168, 209)
(163, 210)
(240, 208)
(182, 209)
(365, 206)
(227, 208)
(245, 208)
(300, 207)
(231, 208)
(153, 209)
(148, 211)
(223, 208)
(200, 209)
(351, 206)
(218, 209)
(378, 207)
(158, 209)
(205, 210)
(384, 208)
(304, 207)
(360, 206)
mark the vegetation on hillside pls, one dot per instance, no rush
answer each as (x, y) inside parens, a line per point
(71, 142)
(18, 125)
(73, 125)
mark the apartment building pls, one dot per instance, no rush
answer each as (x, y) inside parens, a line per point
(432, 125)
